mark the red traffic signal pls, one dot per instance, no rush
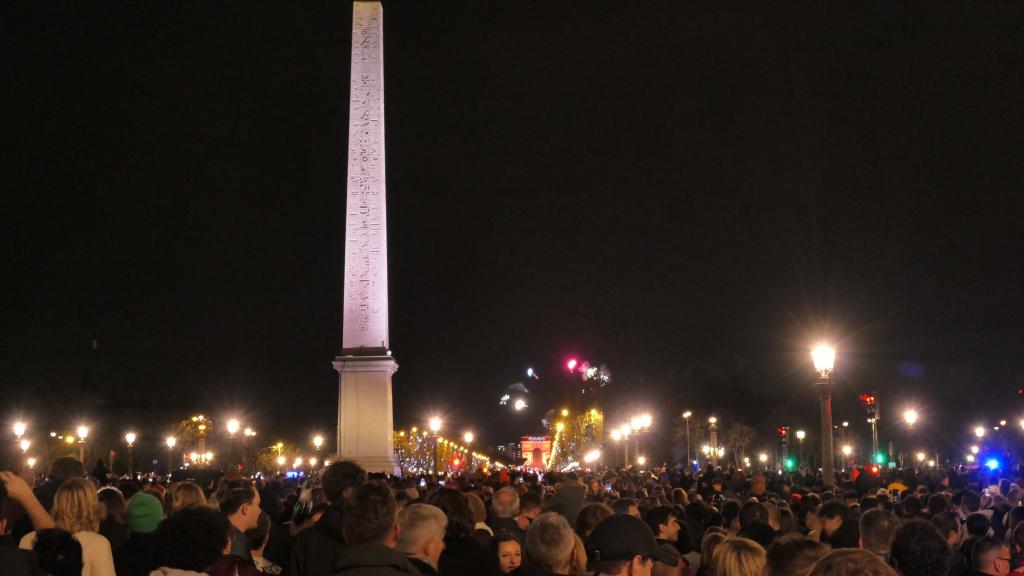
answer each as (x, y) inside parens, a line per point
(874, 469)
(867, 399)
(456, 462)
(781, 431)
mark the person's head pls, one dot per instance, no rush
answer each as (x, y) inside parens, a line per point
(919, 550)
(58, 552)
(340, 479)
(549, 543)
(938, 502)
(738, 557)
(144, 513)
(186, 495)
(476, 508)
(707, 548)
(242, 507)
(990, 556)
(510, 552)
(948, 525)
(970, 501)
(259, 535)
(421, 532)
(505, 503)
(529, 505)
(977, 524)
(852, 562)
(793, 555)
(663, 523)
(787, 521)
(877, 528)
(64, 468)
(371, 516)
(624, 545)
(832, 514)
(191, 539)
(626, 506)
(112, 504)
(589, 517)
(751, 512)
(76, 507)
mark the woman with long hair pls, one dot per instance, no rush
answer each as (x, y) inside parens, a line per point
(77, 510)
(462, 553)
(186, 495)
(113, 511)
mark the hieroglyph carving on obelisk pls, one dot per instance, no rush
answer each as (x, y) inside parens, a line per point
(365, 365)
(365, 322)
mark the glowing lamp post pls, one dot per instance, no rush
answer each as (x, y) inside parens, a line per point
(824, 357)
(979, 431)
(686, 419)
(171, 441)
(233, 426)
(318, 441)
(713, 433)
(435, 427)
(129, 438)
(19, 429)
(83, 432)
(910, 417)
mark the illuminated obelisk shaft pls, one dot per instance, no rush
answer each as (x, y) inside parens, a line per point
(365, 366)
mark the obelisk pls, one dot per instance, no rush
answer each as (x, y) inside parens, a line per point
(365, 365)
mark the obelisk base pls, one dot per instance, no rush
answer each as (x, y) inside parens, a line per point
(365, 419)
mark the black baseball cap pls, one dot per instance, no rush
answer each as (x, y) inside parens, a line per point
(621, 537)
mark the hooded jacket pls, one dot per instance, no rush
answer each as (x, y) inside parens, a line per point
(373, 560)
(315, 550)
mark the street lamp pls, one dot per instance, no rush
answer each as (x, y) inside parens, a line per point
(24, 445)
(686, 418)
(468, 437)
(171, 441)
(979, 431)
(129, 438)
(19, 429)
(910, 417)
(318, 441)
(435, 427)
(641, 460)
(83, 432)
(233, 426)
(824, 357)
(847, 450)
(800, 435)
(713, 437)
(31, 463)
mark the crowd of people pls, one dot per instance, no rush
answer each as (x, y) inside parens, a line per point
(343, 521)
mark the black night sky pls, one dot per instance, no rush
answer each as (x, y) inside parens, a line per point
(690, 194)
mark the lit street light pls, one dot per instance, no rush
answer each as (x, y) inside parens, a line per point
(974, 449)
(171, 441)
(519, 404)
(233, 426)
(641, 460)
(847, 450)
(31, 463)
(979, 431)
(468, 437)
(318, 441)
(686, 418)
(24, 445)
(19, 429)
(713, 437)
(921, 456)
(910, 417)
(129, 438)
(83, 433)
(824, 357)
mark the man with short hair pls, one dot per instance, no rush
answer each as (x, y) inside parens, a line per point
(421, 529)
(990, 557)
(753, 520)
(837, 528)
(315, 550)
(370, 526)
(663, 523)
(877, 529)
(623, 545)
(504, 508)
(919, 550)
(549, 542)
(529, 510)
(626, 506)
(241, 506)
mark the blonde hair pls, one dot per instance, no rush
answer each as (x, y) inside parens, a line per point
(852, 562)
(186, 495)
(579, 555)
(76, 507)
(738, 557)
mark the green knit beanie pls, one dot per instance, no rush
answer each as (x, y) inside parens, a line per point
(144, 513)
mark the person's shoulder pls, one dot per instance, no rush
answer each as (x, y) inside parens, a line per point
(88, 538)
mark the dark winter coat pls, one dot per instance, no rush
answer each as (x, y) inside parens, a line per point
(315, 550)
(373, 560)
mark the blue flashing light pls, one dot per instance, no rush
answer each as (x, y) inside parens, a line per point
(992, 464)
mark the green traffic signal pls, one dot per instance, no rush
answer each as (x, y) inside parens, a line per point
(880, 458)
(790, 463)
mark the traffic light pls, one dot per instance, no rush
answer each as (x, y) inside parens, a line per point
(870, 403)
(880, 458)
(456, 462)
(874, 469)
(790, 463)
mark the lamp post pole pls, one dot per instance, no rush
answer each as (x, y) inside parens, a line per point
(713, 437)
(824, 362)
(686, 418)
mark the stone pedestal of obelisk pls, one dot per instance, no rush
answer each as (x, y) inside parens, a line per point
(365, 365)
